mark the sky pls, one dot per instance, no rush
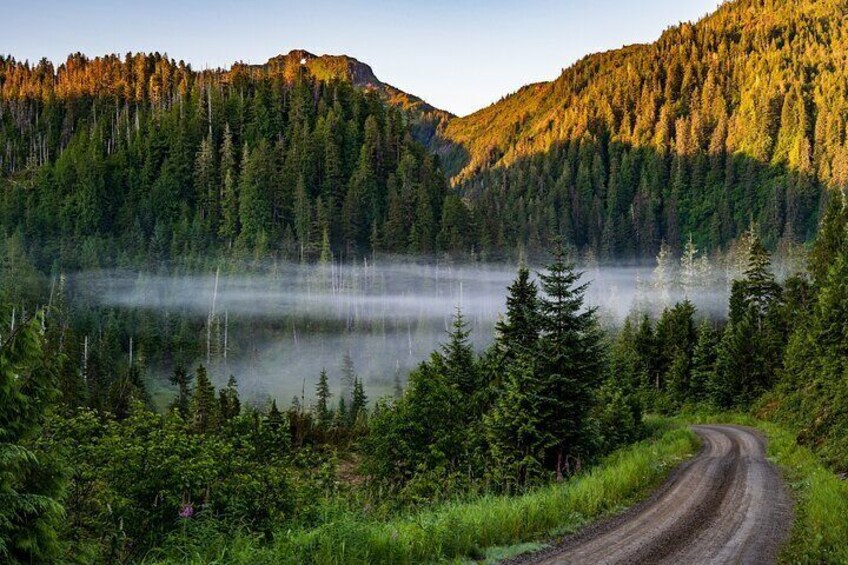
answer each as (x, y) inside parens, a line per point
(459, 55)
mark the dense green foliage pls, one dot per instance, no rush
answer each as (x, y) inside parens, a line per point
(736, 121)
(108, 161)
(550, 397)
(31, 483)
(739, 116)
(813, 390)
(463, 529)
(676, 361)
(530, 408)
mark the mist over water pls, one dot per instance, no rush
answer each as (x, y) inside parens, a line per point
(277, 329)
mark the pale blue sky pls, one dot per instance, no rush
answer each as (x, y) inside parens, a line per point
(458, 55)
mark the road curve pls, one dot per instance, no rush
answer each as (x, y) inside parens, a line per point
(726, 505)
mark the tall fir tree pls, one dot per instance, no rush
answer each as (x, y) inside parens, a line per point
(205, 416)
(570, 360)
(518, 333)
(322, 400)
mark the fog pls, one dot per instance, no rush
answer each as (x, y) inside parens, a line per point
(277, 329)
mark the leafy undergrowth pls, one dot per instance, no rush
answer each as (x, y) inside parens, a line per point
(463, 530)
(820, 528)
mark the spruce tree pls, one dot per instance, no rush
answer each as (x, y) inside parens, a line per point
(703, 362)
(322, 400)
(182, 379)
(515, 428)
(519, 332)
(274, 435)
(204, 405)
(751, 350)
(228, 399)
(460, 366)
(359, 401)
(348, 375)
(569, 361)
(676, 336)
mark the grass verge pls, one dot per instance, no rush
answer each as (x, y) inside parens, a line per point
(820, 530)
(465, 530)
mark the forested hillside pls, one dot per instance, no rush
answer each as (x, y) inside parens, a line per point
(740, 116)
(109, 160)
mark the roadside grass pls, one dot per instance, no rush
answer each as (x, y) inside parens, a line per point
(487, 528)
(820, 530)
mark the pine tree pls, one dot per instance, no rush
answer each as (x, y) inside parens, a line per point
(751, 349)
(703, 362)
(341, 415)
(460, 367)
(690, 272)
(760, 288)
(515, 428)
(348, 378)
(228, 399)
(255, 208)
(359, 401)
(182, 379)
(322, 400)
(228, 195)
(676, 336)
(204, 406)
(206, 184)
(303, 215)
(518, 333)
(570, 362)
(274, 435)
(125, 391)
(398, 386)
(663, 275)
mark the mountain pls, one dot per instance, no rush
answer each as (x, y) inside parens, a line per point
(738, 117)
(125, 159)
(424, 118)
(342, 67)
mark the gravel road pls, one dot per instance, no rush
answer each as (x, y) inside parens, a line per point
(726, 505)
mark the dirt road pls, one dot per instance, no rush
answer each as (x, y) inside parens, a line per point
(727, 505)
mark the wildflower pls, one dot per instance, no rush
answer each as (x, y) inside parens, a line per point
(186, 511)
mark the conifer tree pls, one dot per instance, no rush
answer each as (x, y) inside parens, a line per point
(341, 416)
(570, 362)
(348, 378)
(515, 428)
(228, 194)
(703, 362)
(274, 435)
(398, 387)
(205, 415)
(206, 184)
(182, 379)
(359, 401)
(519, 332)
(751, 348)
(127, 390)
(228, 398)
(460, 366)
(322, 400)
(676, 336)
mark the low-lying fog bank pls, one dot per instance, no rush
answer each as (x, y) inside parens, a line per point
(276, 330)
